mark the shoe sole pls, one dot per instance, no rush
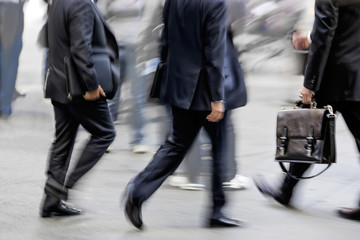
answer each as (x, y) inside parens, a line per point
(56, 214)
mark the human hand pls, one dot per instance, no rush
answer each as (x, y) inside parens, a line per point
(217, 112)
(306, 95)
(300, 40)
(95, 94)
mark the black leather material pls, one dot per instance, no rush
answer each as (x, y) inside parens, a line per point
(224, 222)
(350, 213)
(132, 208)
(102, 66)
(305, 135)
(60, 209)
(159, 74)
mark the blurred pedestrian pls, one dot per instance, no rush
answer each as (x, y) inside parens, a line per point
(193, 49)
(302, 29)
(332, 77)
(301, 34)
(147, 59)
(75, 29)
(11, 30)
(124, 16)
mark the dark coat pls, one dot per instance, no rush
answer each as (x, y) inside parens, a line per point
(76, 28)
(194, 47)
(333, 70)
(202, 63)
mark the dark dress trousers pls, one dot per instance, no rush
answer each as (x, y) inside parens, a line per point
(193, 42)
(76, 29)
(333, 70)
(235, 95)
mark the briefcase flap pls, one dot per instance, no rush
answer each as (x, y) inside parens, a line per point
(104, 72)
(301, 122)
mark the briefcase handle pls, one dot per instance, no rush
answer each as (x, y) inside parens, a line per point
(300, 104)
(286, 172)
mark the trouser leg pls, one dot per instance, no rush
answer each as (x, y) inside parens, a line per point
(94, 116)
(217, 134)
(230, 166)
(289, 183)
(185, 128)
(138, 89)
(193, 161)
(65, 133)
(59, 157)
(49, 201)
(351, 115)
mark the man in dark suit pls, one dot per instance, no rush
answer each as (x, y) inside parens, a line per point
(193, 48)
(75, 29)
(234, 81)
(333, 77)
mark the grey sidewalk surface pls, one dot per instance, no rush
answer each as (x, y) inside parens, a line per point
(171, 213)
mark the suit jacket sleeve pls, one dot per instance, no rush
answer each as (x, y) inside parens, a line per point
(215, 50)
(81, 24)
(326, 20)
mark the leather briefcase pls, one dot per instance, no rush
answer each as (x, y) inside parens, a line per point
(306, 135)
(106, 77)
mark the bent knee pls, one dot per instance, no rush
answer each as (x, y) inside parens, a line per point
(109, 136)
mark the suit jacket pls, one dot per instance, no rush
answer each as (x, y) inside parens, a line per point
(193, 45)
(77, 29)
(333, 69)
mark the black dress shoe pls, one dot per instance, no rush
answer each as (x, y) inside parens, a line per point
(350, 213)
(61, 209)
(132, 209)
(265, 189)
(225, 222)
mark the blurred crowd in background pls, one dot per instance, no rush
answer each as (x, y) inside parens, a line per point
(261, 31)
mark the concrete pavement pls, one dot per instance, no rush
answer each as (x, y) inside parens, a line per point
(170, 214)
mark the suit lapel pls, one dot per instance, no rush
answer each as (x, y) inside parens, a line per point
(108, 32)
(101, 17)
